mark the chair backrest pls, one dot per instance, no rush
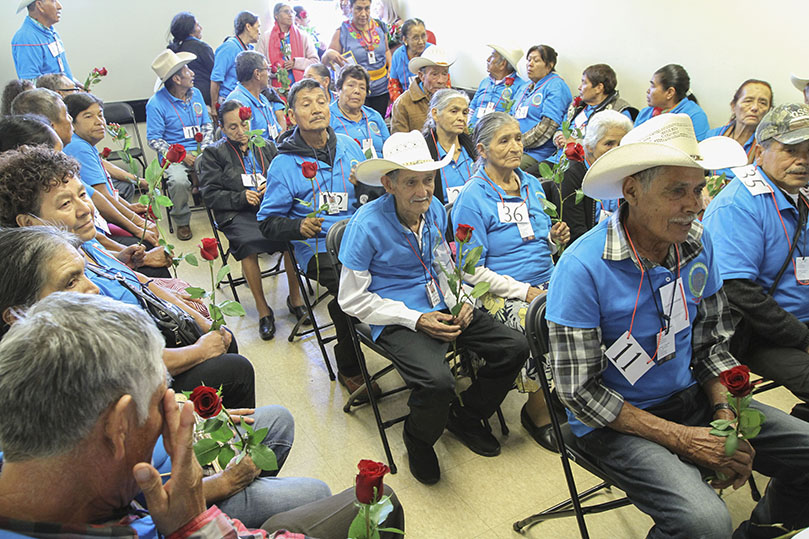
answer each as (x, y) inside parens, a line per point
(333, 240)
(122, 113)
(536, 330)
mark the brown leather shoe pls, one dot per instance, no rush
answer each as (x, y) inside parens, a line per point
(184, 233)
(353, 383)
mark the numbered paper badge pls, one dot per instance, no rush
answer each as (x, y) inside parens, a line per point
(337, 201)
(752, 179)
(629, 358)
(190, 131)
(452, 193)
(522, 112)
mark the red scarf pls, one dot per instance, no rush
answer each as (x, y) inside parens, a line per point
(274, 49)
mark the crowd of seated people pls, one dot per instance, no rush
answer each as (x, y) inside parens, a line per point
(284, 141)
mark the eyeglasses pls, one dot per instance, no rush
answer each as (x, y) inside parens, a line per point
(73, 89)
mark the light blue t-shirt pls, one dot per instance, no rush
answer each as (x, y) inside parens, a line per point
(263, 111)
(371, 126)
(496, 93)
(224, 64)
(37, 50)
(751, 242)
(456, 173)
(108, 285)
(588, 291)
(548, 97)
(505, 251)
(92, 172)
(686, 106)
(173, 119)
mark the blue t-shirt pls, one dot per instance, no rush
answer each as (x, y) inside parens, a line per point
(375, 241)
(92, 172)
(748, 146)
(400, 67)
(456, 173)
(355, 41)
(504, 250)
(38, 51)
(686, 106)
(496, 93)
(588, 291)
(548, 97)
(108, 285)
(287, 187)
(371, 126)
(224, 64)
(174, 120)
(751, 242)
(263, 111)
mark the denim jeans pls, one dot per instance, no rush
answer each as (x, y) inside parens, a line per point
(268, 495)
(673, 492)
(179, 187)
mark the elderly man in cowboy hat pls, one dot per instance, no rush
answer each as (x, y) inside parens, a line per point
(394, 255)
(802, 85)
(175, 114)
(639, 328)
(500, 87)
(759, 222)
(410, 109)
(37, 48)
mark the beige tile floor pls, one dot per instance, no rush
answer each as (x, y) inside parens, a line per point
(477, 497)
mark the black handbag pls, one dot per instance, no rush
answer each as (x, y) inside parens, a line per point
(177, 326)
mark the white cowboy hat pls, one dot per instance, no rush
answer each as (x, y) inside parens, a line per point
(168, 63)
(512, 56)
(798, 82)
(432, 56)
(406, 151)
(665, 140)
(24, 4)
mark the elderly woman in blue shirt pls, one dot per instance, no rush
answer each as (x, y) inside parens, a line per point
(414, 37)
(351, 117)
(506, 207)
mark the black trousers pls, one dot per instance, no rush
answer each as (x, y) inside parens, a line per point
(231, 370)
(420, 361)
(787, 366)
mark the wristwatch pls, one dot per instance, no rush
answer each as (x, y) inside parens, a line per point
(723, 406)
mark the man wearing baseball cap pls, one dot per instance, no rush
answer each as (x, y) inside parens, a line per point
(36, 47)
(500, 87)
(759, 226)
(174, 115)
(393, 253)
(432, 74)
(639, 328)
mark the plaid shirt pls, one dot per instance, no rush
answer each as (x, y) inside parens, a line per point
(578, 358)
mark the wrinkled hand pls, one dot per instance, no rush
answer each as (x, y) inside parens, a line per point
(533, 293)
(708, 450)
(181, 499)
(132, 255)
(151, 236)
(262, 189)
(289, 63)
(143, 184)
(139, 208)
(311, 226)
(464, 317)
(560, 233)
(188, 300)
(331, 57)
(242, 474)
(213, 343)
(559, 139)
(157, 257)
(240, 414)
(189, 160)
(253, 198)
(439, 326)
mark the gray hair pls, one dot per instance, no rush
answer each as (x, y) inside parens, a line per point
(645, 177)
(246, 64)
(601, 122)
(278, 7)
(485, 130)
(39, 101)
(64, 362)
(53, 81)
(27, 251)
(440, 101)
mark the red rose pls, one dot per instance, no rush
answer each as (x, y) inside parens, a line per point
(217, 106)
(309, 169)
(103, 71)
(207, 402)
(303, 14)
(509, 80)
(208, 249)
(245, 113)
(198, 136)
(151, 214)
(176, 153)
(370, 476)
(96, 71)
(574, 151)
(737, 380)
(464, 232)
(105, 152)
(577, 101)
(274, 69)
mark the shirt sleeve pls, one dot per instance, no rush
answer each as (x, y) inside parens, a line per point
(710, 337)
(155, 128)
(220, 65)
(355, 300)
(27, 60)
(737, 237)
(214, 524)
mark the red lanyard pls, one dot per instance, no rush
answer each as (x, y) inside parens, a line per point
(789, 242)
(364, 116)
(331, 182)
(242, 162)
(176, 111)
(244, 47)
(418, 255)
(526, 93)
(502, 200)
(441, 172)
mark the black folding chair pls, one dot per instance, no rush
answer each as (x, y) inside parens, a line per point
(121, 113)
(536, 330)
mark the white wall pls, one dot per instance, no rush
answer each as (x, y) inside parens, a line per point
(719, 42)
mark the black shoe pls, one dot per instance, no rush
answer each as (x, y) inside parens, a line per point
(299, 312)
(422, 460)
(542, 435)
(266, 327)
(471, 432)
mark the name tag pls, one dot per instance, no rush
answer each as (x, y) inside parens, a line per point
(629, 358)
(580, 120)
(191, 131)
(272, 131)
(802, 268)
(452, 193)
(368, 149)
(371, 57)
(517, 213)
(751, 179)
(679, 314)
(522, 112)
(336, 201)
(604, 214)
(100, 223)
(432, 294)
(253, 180)
(56, 48)
(666, 347)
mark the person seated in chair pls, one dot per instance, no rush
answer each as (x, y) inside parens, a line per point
(639, 326)
(759, 221)
(410, 109)
(393, 253)
(234, 180)
(252, 72)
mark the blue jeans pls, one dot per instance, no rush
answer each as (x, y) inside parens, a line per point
(268, 495)
(673, 492)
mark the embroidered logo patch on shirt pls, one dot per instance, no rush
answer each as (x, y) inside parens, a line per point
(697, 279)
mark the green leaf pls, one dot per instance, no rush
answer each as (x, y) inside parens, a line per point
(264, 458)
(154, 172)
(357, 528)
(206, 451)
(579, 195)
(258, 436)
(472, 259)
(191, 259)
(248, 428)
(303, 202)
(223, 271)
(721, 424)
(164, 201)
(453, 282)
(225, 456)
(232, 308)
(196, 292)
(380, 510)
(187, 394)
(746, 401)
(752, 433)
(717, 432)
(223, 434)
(212, 424)
(566, 129)
(456, 308)
(731, 444)
(549, 207)
(480, 289)
(143, 199)
(216, 314)
(749, 419)
(545, 170)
